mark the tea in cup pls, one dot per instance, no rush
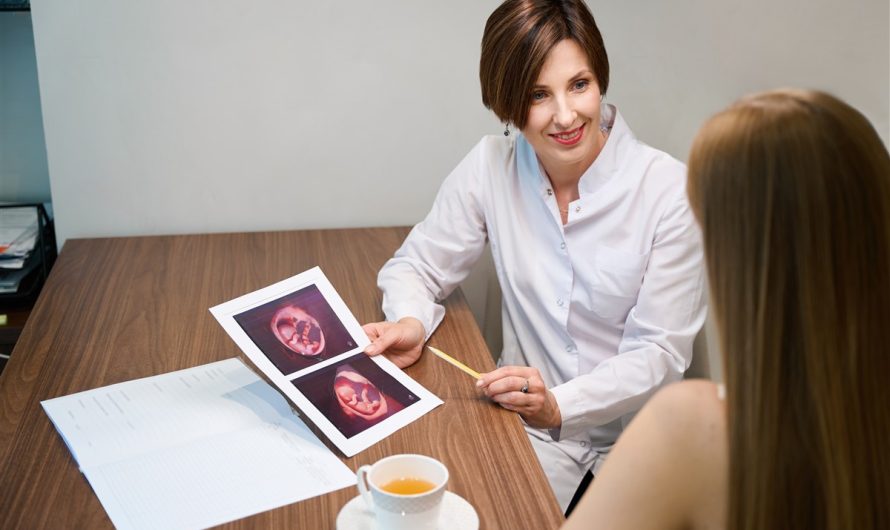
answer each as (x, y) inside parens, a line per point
(408, 486)
(404, 491)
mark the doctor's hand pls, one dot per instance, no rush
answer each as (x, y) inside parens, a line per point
(401, 341)
(522, 390)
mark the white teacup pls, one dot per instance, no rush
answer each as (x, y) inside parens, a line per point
(417, 505)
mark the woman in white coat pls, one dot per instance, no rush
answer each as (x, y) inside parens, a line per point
(597, 253)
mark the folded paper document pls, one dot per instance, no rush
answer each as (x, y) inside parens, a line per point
(300, 333)
(194, 448)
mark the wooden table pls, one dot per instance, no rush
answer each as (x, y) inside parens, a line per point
(123, 308)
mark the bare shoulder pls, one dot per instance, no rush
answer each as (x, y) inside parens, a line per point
(692, 419)
(686, 420)
(668, 468)
(690, 402)
(691, 416)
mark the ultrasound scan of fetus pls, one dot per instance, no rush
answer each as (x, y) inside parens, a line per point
(357, 396)
(298, 331)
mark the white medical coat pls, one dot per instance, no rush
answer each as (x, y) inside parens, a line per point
(606, 307)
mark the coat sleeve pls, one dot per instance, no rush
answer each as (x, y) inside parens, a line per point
(439, 251)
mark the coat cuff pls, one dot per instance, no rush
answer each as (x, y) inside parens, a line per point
(430, 316)
(568, 400)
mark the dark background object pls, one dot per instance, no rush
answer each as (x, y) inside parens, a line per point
(15, 5)
(17, 306)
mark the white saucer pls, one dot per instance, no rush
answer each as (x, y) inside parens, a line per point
(455, 514)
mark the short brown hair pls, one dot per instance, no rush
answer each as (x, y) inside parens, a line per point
(792, 189)
(518, 36)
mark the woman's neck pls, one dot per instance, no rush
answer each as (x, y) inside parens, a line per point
(564, 183)
(564, 177)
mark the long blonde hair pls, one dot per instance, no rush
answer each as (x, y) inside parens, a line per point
(792, 189)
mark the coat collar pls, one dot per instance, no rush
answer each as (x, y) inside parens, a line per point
(607, 164)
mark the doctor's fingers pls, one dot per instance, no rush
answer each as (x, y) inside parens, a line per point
(385, 336)
(506, 385)
(375, 329)
(397, 336)
(506, 372)
(528, 384)
(519, 402)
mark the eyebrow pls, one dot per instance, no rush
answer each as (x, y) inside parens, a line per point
(572, 79)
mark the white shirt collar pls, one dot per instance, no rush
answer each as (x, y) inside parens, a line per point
(607, 163)
(614, 153)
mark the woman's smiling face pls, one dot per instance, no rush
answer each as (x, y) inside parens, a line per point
(564, 117)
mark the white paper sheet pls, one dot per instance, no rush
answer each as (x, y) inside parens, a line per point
(194, 448)
(300, 333)
(18, 235)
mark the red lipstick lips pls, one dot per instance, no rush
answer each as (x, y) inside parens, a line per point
(569, 138)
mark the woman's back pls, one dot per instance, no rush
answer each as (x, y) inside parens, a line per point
(669, 469)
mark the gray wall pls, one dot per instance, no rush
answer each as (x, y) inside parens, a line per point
(677, 62)
(203, 116)
(178, 116)
(200, 116)
(23, 172)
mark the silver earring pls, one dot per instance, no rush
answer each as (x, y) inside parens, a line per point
(506, 129)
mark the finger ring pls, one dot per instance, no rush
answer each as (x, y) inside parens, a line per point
(524, 388)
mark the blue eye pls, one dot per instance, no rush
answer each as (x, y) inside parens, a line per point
(538, 96)
(581, 85)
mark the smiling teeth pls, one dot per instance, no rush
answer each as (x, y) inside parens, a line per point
(569, 136)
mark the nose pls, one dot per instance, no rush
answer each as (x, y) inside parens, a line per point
(563, 115)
